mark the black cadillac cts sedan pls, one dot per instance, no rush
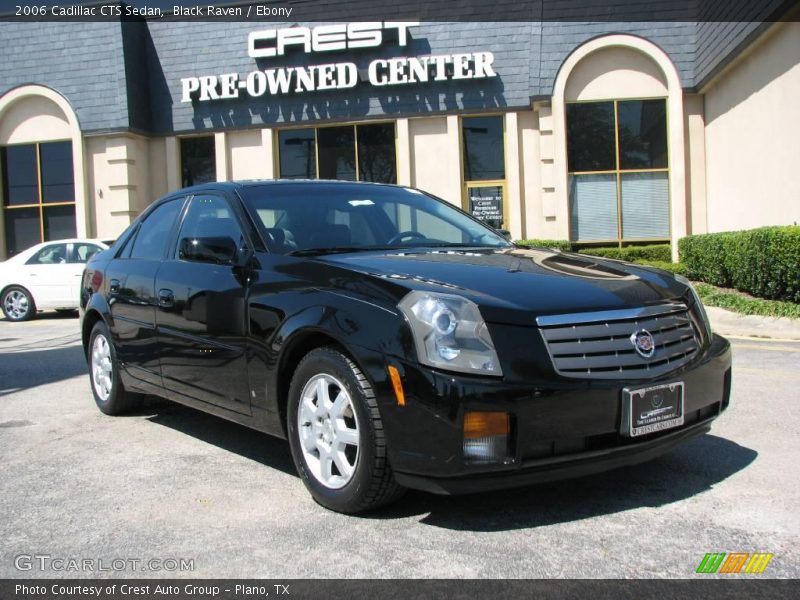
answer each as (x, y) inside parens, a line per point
(396, 341)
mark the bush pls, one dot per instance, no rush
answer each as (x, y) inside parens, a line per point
(763, 262)
(702, 255)
(678, 268)
(655, 252)
(557, 244)
(746, 305)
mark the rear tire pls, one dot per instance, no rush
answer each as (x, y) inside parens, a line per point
(18, 304)
(109, 393)
(336, 435)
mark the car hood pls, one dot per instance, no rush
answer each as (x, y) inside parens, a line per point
(516, 285)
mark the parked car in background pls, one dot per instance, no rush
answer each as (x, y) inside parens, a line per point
(45, 277)
(397, 341)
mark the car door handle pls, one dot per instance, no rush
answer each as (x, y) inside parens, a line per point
(166, 299)
(113, 286)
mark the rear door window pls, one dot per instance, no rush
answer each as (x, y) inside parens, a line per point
(154, 232)
(54, 254)
(82, 252)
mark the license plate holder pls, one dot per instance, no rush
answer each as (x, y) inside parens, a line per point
(652, 409)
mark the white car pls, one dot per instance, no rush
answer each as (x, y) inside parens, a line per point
(45, 276)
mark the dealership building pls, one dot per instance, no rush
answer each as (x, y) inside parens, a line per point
(604, 132)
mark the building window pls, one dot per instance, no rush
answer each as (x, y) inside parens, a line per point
(484, 160)
(349, 152)
(618, 171)
(298, 153)
(198, 160)
(336, 151)
(38, 194)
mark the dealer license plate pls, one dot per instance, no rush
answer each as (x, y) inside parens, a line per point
(652, 409)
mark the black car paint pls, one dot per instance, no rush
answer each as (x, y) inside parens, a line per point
(231, 336)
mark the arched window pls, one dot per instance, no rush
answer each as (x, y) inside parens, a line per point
(620, 107)
(618, 170)
(41, 169)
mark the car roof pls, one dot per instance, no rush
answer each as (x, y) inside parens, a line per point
(248, 183)
(24, 254)
(70, 241)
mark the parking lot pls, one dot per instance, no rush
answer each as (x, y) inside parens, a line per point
(172, 483)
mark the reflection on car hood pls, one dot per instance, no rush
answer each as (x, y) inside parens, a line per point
(515, 285)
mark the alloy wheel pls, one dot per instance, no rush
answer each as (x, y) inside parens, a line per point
(16, 304)
(328, 428)
(102, 368)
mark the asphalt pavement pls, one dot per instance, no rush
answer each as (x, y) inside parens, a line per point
(172, 484)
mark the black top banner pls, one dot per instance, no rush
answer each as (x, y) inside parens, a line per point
(291, 11)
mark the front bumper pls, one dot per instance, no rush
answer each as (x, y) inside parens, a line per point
(562, 429)
(557, 468)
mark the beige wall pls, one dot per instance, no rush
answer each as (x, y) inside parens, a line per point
(695, 153)
(752, 136)
(615, 72)
(247, 158)
(158, 168)
(514, 179)
(531, 201)
(36, 119)
(119, 181)
(548, 207)
(435, 157)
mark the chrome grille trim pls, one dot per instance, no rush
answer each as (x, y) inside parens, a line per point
(610, 315)
(597, 345)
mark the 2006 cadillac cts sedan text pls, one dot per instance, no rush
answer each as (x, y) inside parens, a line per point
(396, 341)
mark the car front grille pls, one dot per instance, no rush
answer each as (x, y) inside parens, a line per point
(597, 345)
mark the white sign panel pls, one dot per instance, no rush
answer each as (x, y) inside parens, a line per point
(271, 43)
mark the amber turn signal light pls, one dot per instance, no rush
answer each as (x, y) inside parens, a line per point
(485, 424)
(399, 395)
(486, 436)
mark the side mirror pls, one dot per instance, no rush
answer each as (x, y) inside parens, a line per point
(216, 250)
(505, 233)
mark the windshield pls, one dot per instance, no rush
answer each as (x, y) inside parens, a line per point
(328, 217)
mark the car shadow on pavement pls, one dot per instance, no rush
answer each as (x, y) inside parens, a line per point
(23, 369)
(48, 315)
(687, 471)
(249, 443)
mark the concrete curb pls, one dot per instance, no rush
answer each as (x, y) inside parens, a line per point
(729, 323)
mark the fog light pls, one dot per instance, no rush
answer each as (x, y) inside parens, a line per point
(486, 436)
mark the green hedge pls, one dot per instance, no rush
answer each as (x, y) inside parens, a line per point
(656, 252)
(678, 268)
(746, 305)
(557, 244)
(763, 262)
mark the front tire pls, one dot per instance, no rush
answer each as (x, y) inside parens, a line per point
(336, 435)
(18, 304)
(109, 393)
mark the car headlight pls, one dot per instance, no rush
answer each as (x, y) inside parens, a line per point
(697, 302)
(450, 333)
